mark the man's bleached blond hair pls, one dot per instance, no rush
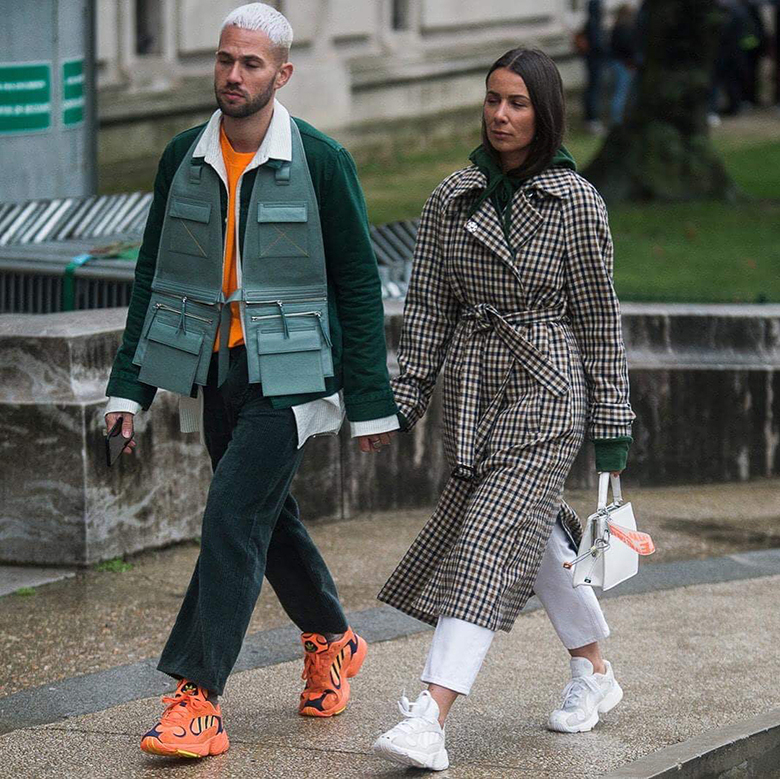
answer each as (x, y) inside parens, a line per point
(261, 16)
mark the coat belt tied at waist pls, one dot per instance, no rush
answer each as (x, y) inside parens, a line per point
(472, 431)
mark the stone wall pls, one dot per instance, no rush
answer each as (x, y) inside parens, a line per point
(705, 387)
(59, 503)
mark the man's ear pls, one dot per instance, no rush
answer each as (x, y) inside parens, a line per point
(284, 74)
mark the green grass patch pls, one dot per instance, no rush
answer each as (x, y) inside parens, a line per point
(398, 188)
(705, 252)
(698, 252)
(756, 168)
(25, 592)
(117, 565)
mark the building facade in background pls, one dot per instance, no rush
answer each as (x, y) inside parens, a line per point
(362, 65)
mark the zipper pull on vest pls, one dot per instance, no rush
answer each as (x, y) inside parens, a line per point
(283, 315)
(323, 331)
(183, 317)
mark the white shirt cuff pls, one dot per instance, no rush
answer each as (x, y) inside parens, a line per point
(374, 426)
(117, 405)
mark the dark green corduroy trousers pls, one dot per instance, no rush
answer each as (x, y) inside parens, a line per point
(251, 529)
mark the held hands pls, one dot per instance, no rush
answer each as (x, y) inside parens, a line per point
(127, 428)
(374, 442)
(367, 443)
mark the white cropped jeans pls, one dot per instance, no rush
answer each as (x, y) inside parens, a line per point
(458, 647)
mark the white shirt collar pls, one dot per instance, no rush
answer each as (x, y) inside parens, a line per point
(277, 143)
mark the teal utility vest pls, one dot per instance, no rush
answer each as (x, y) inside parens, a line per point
(282, 283)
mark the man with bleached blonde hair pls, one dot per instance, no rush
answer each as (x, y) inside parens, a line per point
(256, 299)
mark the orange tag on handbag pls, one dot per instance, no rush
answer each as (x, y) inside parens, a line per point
(641, 543)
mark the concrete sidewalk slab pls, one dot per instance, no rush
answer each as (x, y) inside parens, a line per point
(89, 693)
(689, 659)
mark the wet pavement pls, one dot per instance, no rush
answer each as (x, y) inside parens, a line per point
(101, 619)
(690, 658)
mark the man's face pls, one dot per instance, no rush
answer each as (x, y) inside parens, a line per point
(247, 72)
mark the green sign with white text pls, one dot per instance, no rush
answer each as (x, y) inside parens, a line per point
(25, 97)
(72, 92)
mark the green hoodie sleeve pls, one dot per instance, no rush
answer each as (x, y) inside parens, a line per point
(612, 453)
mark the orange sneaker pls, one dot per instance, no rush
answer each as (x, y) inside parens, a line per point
(328, 666)
(190, 726)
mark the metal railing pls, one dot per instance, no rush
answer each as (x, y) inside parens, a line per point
(39, 240)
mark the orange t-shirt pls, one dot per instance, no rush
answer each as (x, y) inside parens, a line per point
(235, 164)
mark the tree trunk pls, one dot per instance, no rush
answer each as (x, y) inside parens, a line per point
(662, 151)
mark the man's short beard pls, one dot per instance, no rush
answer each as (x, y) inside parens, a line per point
(247, 109)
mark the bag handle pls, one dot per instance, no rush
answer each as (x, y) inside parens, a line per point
(605, 480)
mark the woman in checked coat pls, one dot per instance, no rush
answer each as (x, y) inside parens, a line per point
(512, 285)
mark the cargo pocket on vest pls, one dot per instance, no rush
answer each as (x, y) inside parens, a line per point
(291, 365)
(189, 227)
(283, 229)
(171, 358)
(199, 318)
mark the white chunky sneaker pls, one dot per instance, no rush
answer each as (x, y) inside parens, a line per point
(585, 697)
(418, 740)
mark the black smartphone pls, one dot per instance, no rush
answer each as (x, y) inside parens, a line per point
(115, 442)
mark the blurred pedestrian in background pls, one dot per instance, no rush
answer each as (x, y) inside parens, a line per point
(755, 44)
(738, 40)
(775, 48)
(623, 47)
(590, 43)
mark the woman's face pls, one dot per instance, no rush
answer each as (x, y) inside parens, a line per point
(510, 119)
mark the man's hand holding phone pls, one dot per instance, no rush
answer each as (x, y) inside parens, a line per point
(120, 424)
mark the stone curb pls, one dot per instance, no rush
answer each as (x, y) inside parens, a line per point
(746, 749)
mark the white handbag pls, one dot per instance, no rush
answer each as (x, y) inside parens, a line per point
(611, 544)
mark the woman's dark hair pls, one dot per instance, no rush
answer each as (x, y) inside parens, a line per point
(545, 89)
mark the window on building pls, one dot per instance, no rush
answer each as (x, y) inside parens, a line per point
(401, 14)
(148, 27)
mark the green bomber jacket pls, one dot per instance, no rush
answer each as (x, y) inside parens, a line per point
(354, 291)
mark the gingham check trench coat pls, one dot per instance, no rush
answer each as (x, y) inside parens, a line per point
(529, 329)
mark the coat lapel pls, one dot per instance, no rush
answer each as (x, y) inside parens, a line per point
(526, 218)
(484, 224)
(525, 221)
(486, 227)
(552, 181)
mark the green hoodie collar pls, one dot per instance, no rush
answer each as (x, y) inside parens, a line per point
(501, 186)
(481, 158)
